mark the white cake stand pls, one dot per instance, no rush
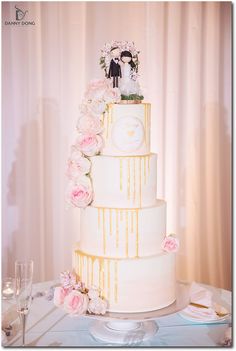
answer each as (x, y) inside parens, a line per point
(130, 329)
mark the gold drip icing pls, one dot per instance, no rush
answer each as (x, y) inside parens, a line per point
(116, 282)
(117, 229)
(104, 231)
(132, 222)
(128, 183)
(127, 216)
(137, 234)
(127, 233)
(135, 182)
(92, 271)
(108, 279)
(140, 181)
(145, 170)
(86, 271)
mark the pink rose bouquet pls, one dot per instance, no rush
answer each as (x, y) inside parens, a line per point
(77, 300)
(89, 144)
(81, 194)
(89, 124)
(96, 89)
(170, 243)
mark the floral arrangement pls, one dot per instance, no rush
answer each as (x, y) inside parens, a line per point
(77, 300)
(89, 141)
(105, 58)
(170, 243)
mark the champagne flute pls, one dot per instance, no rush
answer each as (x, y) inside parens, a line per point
(23, 290)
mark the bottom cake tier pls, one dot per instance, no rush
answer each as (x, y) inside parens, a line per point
(130, 284)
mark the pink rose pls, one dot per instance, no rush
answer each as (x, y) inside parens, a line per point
(97, 107)
(80, 195)
(59, 296)
(83, 108)
(89, 124)
(76, 303)
(89, 144)
(112, 95)
(170, 244)
(96, 89)
(77, 167)
(97, 306)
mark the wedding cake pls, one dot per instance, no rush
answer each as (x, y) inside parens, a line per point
(123, 248)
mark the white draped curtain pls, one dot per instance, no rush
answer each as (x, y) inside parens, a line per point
(186, 75)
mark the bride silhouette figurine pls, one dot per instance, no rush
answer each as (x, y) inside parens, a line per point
(128, 85)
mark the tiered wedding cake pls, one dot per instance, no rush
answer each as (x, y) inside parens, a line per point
(123, 247)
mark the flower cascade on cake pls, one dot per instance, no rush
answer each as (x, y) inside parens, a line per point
(75, 299)
(89, 141)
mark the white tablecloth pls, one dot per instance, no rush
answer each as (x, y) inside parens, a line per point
(50, 326)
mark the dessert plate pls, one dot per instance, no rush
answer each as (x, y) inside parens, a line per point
(189, 315)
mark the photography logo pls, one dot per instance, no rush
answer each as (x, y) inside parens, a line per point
(20, 15)
(20, 18)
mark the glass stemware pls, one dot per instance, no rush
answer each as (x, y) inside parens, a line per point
(23, 291)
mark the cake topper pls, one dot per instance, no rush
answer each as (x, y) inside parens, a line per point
(114, 68)
(120, 62)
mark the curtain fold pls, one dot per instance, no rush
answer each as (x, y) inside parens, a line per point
(186, 75)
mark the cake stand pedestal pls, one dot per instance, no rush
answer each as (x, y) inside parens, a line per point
(130, 329)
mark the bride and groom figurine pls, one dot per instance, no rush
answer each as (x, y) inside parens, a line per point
(122, 69)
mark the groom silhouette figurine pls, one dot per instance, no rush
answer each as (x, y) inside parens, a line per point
(114, 69)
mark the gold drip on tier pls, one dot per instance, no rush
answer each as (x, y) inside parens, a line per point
(136, 174)
(99, 271)
(124, 223)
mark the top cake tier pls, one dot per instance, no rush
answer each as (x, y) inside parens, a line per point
(126, 129)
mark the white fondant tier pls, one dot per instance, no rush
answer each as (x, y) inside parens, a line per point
(126, 129)
(130, 285)
(123, 232)
(124, 182)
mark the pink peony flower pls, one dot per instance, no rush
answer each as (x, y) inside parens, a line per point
(96, 89)
(80, 195)
(76, 303)
(89, 124)
(170, 244)
(97, 306)
(59, 296)
(112, 95)
(89, 144)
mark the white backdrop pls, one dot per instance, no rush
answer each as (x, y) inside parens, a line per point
(186, 75)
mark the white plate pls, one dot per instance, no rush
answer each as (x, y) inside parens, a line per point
(190, 317)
